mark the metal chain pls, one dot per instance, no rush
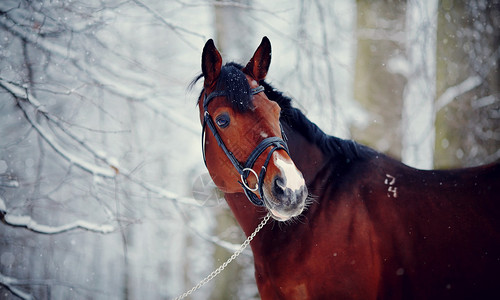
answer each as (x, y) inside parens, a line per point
(224, 265)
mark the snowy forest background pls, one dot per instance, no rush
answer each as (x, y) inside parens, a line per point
(100, 138)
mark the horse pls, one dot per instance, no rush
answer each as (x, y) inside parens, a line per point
(349, 222)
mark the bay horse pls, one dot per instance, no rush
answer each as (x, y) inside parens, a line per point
(373, 228)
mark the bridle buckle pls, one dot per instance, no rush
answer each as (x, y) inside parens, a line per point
(244, 181)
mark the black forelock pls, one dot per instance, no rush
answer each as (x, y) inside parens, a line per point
(234, 82)
(235, 85)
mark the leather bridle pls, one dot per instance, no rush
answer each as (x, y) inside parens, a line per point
(245, 169)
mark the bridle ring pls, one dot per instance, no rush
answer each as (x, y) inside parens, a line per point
(244, 182)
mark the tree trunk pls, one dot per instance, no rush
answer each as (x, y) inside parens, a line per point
(419, 94)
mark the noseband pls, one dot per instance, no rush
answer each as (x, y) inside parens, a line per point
(244, 169)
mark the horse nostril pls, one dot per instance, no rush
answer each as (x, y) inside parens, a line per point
(285, 195)
(279, 186)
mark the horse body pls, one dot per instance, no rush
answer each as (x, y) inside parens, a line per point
(436, 237)
(380, 229)
(376, 229)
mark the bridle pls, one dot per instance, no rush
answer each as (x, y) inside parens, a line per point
(245, 169)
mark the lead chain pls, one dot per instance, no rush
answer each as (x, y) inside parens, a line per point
(224, 265)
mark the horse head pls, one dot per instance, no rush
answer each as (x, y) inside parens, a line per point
(244, 146)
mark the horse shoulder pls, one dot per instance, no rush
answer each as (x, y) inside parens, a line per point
(346, 252)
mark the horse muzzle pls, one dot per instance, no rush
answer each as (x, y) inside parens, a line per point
(286, 195)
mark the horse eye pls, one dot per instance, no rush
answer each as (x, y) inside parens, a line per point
(222, 120)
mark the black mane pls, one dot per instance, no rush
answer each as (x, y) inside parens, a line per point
(233, 81)
(295, 119)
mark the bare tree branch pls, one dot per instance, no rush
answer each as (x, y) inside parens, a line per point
(106, 75)
(30, 224)
(9, 283)
(175, 28)
(18, 93)
(454, 91)
(113, 169)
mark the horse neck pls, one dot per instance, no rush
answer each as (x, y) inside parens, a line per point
(307, 156)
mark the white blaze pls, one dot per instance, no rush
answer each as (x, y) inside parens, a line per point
(293, 178)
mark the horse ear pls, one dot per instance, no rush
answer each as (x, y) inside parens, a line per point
(258, 65)
(211, 63)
